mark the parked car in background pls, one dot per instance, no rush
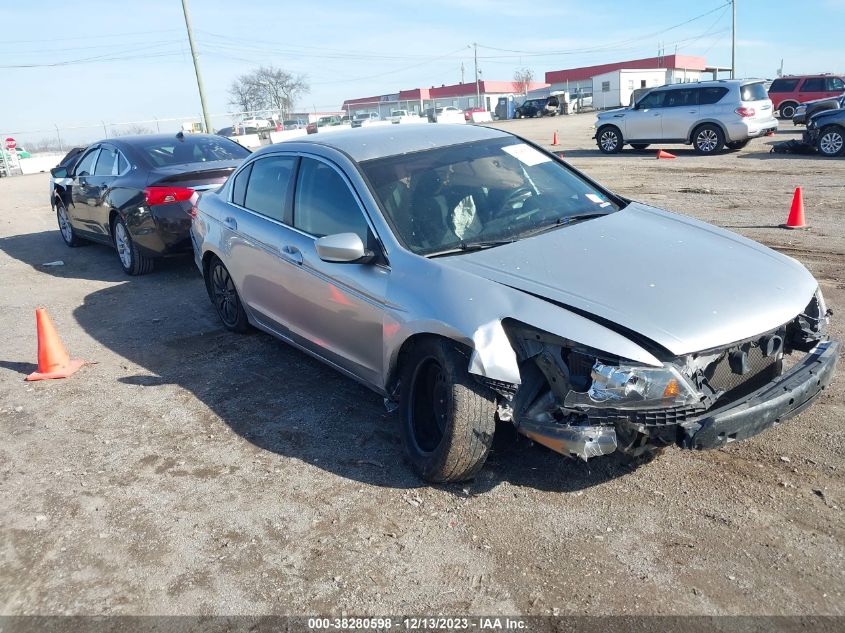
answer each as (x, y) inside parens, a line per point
(137, 193)
(787, 93)
(323, 121)
(709, 115)
(259, 124)
(548, 106)
(804, 111)
(444, 268)
(295, 124)
(826, 130)
(365, 117)
(469, 112)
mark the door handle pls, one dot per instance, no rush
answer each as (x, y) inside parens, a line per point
(230, 223)
(292, 254)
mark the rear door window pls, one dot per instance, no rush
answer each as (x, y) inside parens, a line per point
(107, 163)
(814, 84)
(709, 96)
(681, 98)
(268, 186)
(325, 205)
(784, 85)
(239, 185)
(753, 92)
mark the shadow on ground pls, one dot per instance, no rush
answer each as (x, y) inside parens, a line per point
(271, 394)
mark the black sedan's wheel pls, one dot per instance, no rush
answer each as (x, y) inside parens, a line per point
(708, 139)
(609, 140)
(65, 228)
(224, 296)
(831, 141)
(131, 259)
(448, 418)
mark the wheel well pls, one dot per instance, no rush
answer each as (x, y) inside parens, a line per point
(113, 215)
(206, 262)
(405, 349)
(702, 124)
(787, 102)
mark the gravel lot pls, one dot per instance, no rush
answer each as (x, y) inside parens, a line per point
(194, 471)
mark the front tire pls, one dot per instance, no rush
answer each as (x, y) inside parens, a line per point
(831, 141)
(224, 296)
(787, 111)
(448, 418)
(609, 140)
(65, 227)
(708, 139)
(131, 259)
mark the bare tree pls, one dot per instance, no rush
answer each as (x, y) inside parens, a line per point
(522, 79)
(132, 129)
(268, 88)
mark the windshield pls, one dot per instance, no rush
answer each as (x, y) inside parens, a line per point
(485, 191)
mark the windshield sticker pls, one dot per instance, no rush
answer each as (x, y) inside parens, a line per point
(526, 154)
(594, 198)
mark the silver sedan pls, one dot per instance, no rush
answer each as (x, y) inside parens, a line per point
(471, 278)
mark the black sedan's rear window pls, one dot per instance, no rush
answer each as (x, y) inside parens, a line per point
(189, 149)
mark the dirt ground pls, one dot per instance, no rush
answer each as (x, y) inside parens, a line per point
(194, 471)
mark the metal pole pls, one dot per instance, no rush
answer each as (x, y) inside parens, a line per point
(59, 136)
(205, 116)
(105, 129)
(477, 87)
(733, 41)
(5, 160)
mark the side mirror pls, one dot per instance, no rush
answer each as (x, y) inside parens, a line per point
(59, 172)
(343, 248)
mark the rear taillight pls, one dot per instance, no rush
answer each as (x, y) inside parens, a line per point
(167, 195)
(195, 198)
(744, 111)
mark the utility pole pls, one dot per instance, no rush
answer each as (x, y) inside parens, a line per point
(208, 128)
(462, 72)
(733, 40)
(477, 86)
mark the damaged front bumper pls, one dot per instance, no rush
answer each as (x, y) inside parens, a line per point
(778, 400)
(784, 397)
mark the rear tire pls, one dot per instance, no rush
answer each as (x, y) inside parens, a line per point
(65, 227)
(131, 259)
(448, 418)
(708, 139)
(609, 140)
(831, 141)
(224, 296)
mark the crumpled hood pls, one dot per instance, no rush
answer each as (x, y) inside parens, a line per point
(684, 284)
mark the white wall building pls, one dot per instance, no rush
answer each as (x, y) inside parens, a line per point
(613, 89)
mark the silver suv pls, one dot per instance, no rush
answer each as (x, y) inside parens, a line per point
(708, 114)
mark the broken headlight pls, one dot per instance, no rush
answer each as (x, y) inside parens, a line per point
(634, 387)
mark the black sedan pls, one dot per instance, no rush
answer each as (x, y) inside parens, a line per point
(137, 193)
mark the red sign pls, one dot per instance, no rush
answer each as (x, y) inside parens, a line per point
(11, 143)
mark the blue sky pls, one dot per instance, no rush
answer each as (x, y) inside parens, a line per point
(131, 61)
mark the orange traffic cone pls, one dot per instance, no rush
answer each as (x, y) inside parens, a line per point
(796, 212)
(53, 359)
(662, 154)
(554, 138)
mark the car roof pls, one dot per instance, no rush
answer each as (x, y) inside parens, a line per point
(709, 84)
(366, 143)
(135, 139)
